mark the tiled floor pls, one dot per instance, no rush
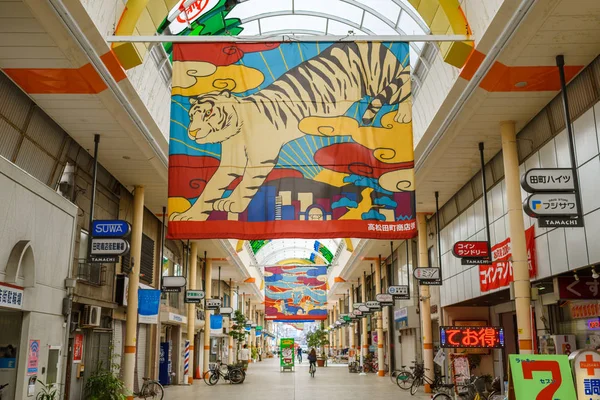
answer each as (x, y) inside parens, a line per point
(265, 382)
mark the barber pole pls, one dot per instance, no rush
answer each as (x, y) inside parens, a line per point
(186, 363)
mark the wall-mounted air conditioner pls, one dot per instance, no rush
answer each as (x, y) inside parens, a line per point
(91, 316)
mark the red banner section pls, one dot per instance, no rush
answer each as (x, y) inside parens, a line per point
(500, 272)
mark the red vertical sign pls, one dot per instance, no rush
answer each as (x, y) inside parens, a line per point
(500, 272)
(77, 348)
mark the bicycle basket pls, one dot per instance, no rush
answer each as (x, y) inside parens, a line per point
(212, 367)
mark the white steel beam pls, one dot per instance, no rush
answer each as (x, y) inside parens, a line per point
(288, 38)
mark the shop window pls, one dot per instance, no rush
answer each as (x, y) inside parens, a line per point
(53, 357)
(83, 245)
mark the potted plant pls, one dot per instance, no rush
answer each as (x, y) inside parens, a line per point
(318, 340)
(105, 383)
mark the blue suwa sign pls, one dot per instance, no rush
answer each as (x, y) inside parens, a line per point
(110, 228)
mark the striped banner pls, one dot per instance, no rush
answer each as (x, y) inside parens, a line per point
(186, 363)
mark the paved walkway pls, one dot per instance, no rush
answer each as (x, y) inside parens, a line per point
(265, 382)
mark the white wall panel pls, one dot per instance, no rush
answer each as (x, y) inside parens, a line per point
(464, 228)
(543, 256)
(497, 202)
(558, 251)
(597, 118)
(475, 282)
(471, 229)
(468, 285)
(592, 233)
(479, 218)
(589, 179)
(499, 231)
(548, 155)
(576, 247)
(533, 161)
(562, 150)
(586, 141)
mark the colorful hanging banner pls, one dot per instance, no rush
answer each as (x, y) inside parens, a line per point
(296, 293)
(291, 140)
(500, 273)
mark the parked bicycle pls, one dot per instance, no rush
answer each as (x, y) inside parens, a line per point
(421, 379)
(233, 374)
(405, 377)
(151, 389)
(474, 389)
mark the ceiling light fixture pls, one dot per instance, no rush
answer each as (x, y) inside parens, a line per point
(594, 273)
(520, 84)
(575, 276)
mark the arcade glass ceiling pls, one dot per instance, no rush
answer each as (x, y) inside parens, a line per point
(252, 18)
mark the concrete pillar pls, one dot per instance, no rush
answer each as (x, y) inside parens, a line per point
(132, 299)
(343, 328)
(253, 331)
(231, 355)
(336, 332)
(425, 305)
(208, 313)
(378, 316)
(191, 312)
(363, 322)
(522, 285)
(351, 330)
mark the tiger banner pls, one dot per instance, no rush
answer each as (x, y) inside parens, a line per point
(291, 140)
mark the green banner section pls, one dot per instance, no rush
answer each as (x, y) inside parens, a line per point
(541, 377)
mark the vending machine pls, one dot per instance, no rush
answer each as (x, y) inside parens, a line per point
(165, 366)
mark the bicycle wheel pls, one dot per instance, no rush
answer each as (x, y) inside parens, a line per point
(441, 396)
(236, 376)
(415, 386)
(404, 380)
(154, 390)
(211, 378)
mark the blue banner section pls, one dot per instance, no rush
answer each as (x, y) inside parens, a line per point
(148, 305)
(216, 322)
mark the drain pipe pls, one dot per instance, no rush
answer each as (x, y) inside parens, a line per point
(85, 45)
(508, 32)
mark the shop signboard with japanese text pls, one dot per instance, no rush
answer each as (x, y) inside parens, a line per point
(582, 288)
(553, 200)
(472, 252)
(541, 377)
(77, 348)
(548, 180)
(500, 273)
(286, 353)
(586, 368)
(464, 337)
(326, 133)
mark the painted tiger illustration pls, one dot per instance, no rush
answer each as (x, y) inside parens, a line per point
(323, 86)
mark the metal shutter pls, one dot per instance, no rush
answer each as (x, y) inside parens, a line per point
(147, 263)
(118, 340)
(140, 361)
